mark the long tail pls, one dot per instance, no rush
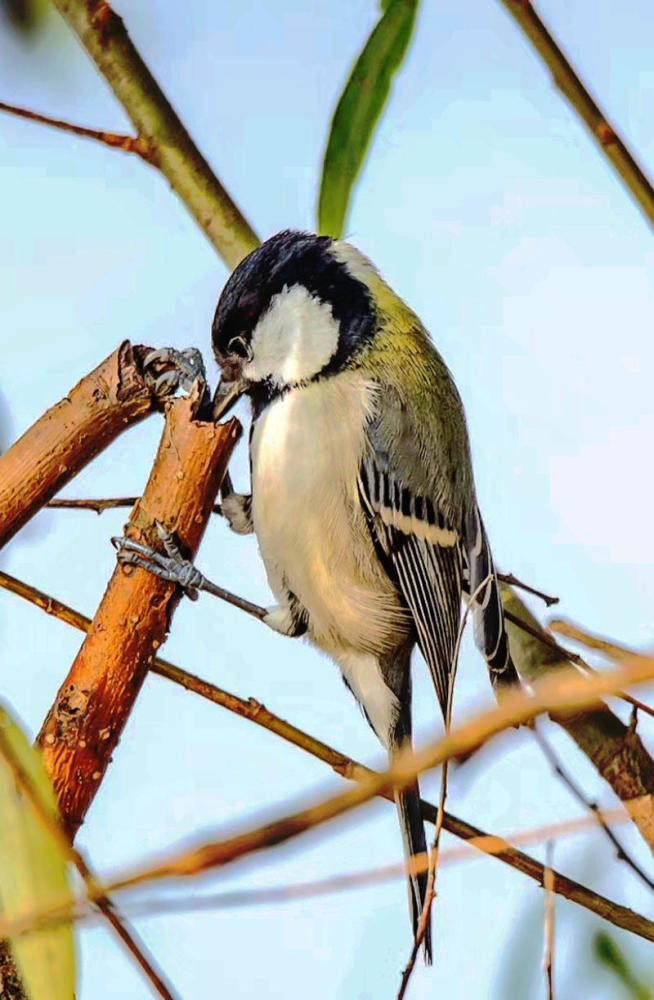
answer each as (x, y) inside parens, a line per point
(490, 633)
(413, 835)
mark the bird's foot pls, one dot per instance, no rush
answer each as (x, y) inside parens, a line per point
(169, 566)
(236, 508)
(166, 370)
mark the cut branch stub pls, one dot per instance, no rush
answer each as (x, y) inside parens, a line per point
(92, 706)
(69, 435)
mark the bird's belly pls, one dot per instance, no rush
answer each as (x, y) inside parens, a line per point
(306, 448)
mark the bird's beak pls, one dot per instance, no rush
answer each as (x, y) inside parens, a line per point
(226, 395)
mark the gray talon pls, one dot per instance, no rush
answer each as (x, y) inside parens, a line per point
(171, 567)
(167, 369)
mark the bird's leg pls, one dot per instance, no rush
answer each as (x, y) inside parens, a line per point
(167, 369)
(172, 566)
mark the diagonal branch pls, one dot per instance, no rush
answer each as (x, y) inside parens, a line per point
(104, 37)
(94, 701)
(569, 84)
(126, 143)
(348, 768)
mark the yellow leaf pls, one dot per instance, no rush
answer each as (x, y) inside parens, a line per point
(33, 871)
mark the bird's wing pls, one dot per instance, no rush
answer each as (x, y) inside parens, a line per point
(421, 551)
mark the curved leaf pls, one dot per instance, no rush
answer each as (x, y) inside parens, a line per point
(359, 108)
(33, 871)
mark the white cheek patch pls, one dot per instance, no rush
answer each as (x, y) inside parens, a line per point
(294, 339)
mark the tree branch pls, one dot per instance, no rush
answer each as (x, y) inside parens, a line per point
(92, 706)
(104, 37)
(70, 434)
(348, 768)
(616, 751)
(571, 87)
(126, 143)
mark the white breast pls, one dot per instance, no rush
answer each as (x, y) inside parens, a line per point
(306, 449)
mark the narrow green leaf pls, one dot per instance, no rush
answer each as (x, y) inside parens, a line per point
(33, 872)
(610, 955)
(359, 109)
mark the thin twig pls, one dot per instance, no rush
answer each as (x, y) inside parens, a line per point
(52, 825)
(569, 84)
(548, 953)
(350, 769)
(513, 581)
(580, 796)
(575, 658)
(126, 143)
(81, 910)
(102, 503)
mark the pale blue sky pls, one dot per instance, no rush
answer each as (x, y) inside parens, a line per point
(488, 208)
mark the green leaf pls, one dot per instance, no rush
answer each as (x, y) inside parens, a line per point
(359, 109)
(33, 871)
(610, 955)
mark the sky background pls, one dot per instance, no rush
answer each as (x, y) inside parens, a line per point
(488, 208)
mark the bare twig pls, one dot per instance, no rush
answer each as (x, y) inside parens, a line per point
(102, 503)
(593, 808)
(348, 768)
(104, 37)
(556, 693)
(82, 909)
(513, 581)
(93, 703)
(548, 951)
(569, 84)
(126, 143)
(51, 824)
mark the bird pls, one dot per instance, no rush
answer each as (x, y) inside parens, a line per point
(362, 495)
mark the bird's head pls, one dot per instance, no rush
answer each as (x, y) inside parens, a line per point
(296, 309)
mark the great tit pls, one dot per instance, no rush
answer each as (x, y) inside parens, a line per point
(363, 499)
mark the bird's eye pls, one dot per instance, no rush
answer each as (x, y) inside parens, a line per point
(238, 346)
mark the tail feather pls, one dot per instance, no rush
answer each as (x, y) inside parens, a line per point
(413, 835)
(488, 616)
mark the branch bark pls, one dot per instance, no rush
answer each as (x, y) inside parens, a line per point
(69, 435)
(104, 37)
(92, 706)
(571, 87)
(615, 749)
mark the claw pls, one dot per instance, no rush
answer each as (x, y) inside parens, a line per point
(171, 567)
(167, 369)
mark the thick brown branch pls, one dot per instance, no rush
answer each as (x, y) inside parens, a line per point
(345, 766)
(92, 706)
(104, 37)
(614, 748)
(126, 143)
(569, 84)
(69, 435)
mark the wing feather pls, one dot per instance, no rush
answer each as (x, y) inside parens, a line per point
(422, 553)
